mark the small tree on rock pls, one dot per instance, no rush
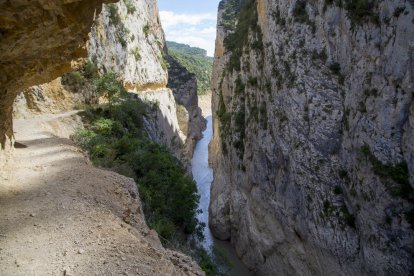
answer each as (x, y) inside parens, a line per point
(110, 87)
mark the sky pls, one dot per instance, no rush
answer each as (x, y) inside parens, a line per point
(190, 22)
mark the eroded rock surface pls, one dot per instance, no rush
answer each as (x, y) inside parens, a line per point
(184, 87)
(38, 42)
(313, 136)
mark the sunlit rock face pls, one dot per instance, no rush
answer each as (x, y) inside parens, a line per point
(313, 147)
(38, 41)
(128, 39)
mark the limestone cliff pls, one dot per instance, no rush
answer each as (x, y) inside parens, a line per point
(39, 41)
(313, 148)
(128, 39)
(184, 87)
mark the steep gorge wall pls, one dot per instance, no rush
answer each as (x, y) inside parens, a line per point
(313, 147)
(184, 87)
(128, 39)
(39, 41)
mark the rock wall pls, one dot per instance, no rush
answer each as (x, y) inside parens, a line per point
(313, 136)
(128, 39)
(184, 87)
(39, 41)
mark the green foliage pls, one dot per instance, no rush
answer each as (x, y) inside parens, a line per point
(234, 43)
(206, 263)
(74, 78)
(187, 49)
(195, 61)
(116, 139)
(122, 34)
(146, 30)
(89, 71)
(240, 86)
(215, 263)
(83, 76)
(114, 18)
(164, 64)
(359, 11)
(398, 173)
(136, 53)
(130, 7)
(398, 11)
(110, 87)
(229, 17)
(299, 12)
(335, 68)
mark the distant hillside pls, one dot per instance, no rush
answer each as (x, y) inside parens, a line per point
(187, 49)
(196, 61)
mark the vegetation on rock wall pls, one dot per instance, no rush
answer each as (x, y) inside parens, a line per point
(115, 138)
(196, 61)
(359, 11)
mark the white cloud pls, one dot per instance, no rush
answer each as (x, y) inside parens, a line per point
(170, 18)
(197, 30)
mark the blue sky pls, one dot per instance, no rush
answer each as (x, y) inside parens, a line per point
(191, 22)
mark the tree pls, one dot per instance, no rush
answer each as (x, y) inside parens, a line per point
(110, 87)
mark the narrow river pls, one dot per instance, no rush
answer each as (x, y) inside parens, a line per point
(203, 175)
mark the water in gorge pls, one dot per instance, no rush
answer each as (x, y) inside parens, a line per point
(203, 175)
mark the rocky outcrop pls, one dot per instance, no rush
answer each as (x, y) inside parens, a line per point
(184, 87)
(39, 41)
(51, 97)
(313, 136)
(128, 39)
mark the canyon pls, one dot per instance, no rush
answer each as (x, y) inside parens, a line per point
(312, 151)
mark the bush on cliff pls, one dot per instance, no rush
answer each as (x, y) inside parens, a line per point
(115, 139)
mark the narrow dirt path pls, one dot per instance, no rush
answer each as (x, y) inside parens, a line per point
(59, 215)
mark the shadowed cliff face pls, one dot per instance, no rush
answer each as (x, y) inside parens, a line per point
(312, 151)
(39, 41)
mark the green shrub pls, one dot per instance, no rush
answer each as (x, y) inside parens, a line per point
(146, 30)
(74, 79)
(130, 7)
(234, 43)
(114, 17)
(195, 61)
(335, 68)
(398, 173)
(122, 35)
(90, 70)
(110, 87)
(299, 11)
(398, 11)
(136, 53)
(115, 138)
